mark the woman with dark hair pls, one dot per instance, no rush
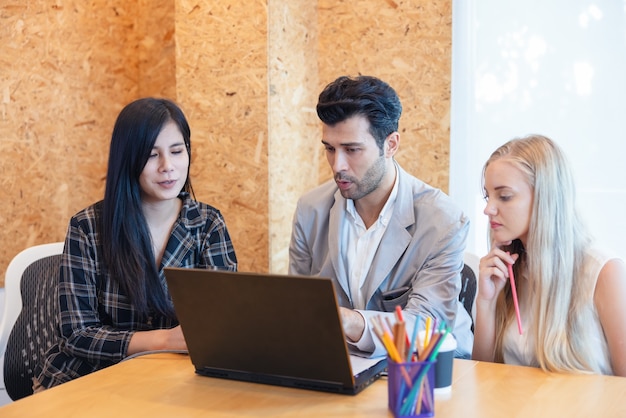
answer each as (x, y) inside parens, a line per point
(112, 291)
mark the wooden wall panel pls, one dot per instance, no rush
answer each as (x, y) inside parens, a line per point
(407, 43)
(156, 48)
(67, 68)
(221, 81)
(247, 74)
(294, 140)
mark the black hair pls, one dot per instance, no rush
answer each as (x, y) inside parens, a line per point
(125, 237)
(363, 95)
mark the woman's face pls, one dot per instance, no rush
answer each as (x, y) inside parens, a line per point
(509, 202)
(164, 175)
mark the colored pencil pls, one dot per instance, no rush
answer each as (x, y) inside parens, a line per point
(515, 301)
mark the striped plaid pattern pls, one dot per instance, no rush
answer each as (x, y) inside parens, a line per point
(96, 317)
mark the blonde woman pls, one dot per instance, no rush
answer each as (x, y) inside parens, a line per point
(572, 297)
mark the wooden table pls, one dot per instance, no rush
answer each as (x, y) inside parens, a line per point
(165, 385)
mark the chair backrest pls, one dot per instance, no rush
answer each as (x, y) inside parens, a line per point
(30, 320)
(469, 284)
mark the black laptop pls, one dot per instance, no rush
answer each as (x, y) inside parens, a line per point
(265, 328)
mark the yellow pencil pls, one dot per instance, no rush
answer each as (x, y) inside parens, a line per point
(427, 332)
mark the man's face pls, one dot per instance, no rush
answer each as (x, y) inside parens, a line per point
(356, 160)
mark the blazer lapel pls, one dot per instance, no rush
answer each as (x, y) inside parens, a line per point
(337, 213)
(396, 238)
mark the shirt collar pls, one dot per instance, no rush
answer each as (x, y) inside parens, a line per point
(191, 216)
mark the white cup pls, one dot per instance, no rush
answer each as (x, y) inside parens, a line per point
(443, 366)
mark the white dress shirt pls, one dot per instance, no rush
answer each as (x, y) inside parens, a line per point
(359, 244)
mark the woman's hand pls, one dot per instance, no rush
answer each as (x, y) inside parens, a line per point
(158, 339)
(492, 277)
(175, 339)
(494, 273)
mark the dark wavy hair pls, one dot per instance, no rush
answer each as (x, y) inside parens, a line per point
(363, 95)
(125, 237)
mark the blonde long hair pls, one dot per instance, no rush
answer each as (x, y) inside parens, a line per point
(551, 268)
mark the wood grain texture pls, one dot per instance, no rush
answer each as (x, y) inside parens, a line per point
(294, 146)
(221, 79)
(165, 385)
(247, 74)
(67, 69)
(408, 45)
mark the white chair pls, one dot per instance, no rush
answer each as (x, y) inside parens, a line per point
(43, 260)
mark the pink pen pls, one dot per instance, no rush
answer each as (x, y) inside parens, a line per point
(515, 302)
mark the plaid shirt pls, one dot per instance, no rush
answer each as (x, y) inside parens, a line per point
(96, 317)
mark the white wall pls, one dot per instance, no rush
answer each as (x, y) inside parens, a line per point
(556, 68)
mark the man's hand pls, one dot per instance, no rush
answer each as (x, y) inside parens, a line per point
(353, 323)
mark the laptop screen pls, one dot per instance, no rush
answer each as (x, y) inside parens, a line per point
(277, 329)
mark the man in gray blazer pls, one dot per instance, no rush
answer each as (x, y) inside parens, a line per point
(383, 236)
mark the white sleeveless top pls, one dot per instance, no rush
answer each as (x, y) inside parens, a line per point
(519, 349)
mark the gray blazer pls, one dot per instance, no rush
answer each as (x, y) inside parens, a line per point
(417, 265)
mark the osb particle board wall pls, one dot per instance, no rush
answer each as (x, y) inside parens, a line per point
(247, 74)
(294, 148)
(65, 71)
(408, 44)
(221, 78)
